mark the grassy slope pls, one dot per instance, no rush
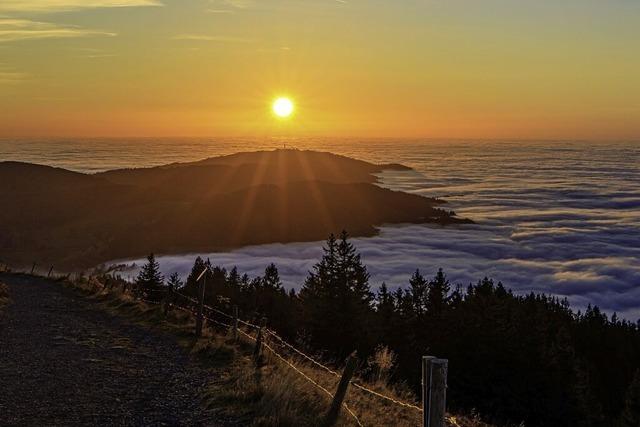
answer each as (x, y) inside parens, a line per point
(274, 394)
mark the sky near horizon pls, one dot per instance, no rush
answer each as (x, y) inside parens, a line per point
(408, 68)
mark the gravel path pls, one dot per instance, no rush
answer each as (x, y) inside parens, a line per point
(65, 362)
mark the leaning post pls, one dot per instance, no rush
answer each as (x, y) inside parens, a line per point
(200, 317)
(235, 323)
(50, 270)
(257, 351)
(334, 411)
(33, 267)
(434, 391)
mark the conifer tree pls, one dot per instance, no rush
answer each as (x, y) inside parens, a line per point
(337, 299)
(418, 286)
(174, 281)
(385, 314)
(191, 287)
(234, 278)
(149, 278)
(271, 278)
(438, 293)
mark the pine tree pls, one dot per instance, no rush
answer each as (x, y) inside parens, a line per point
(191, 287)
(418, 288)
(337, 299)
(174, 281)
(234, 279)
(385, 306)
(385, 314)
(271, 278)
(149, 279)
(438, 294)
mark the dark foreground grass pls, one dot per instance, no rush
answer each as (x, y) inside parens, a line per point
(4, 295)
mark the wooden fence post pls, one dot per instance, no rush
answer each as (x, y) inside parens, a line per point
(33, 267)
(257, 351)
(235, 323)
(50, 270)
(200, 317)
(167, 300)
(334, 411)
(434, 391)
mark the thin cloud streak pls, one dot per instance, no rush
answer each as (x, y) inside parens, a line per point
(204, 37)
(24, 29)
(70, 5)
(238, 4)
(220, 11)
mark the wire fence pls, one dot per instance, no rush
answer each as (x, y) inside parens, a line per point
(299, 352)
(190, 305)
(267, 346)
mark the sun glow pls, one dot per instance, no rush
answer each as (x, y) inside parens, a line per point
(283, 107)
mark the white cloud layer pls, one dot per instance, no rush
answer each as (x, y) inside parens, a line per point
(554, 218)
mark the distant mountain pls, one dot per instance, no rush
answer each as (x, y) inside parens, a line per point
(74, 220)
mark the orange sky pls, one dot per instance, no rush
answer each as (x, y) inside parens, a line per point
(416, 68)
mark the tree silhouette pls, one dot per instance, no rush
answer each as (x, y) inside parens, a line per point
(174, 281)
(418, 287)
(271, 278)
(150, 279)
(337, 299)
(515, 358)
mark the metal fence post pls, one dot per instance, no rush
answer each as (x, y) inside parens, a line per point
(50, 270)
(434, 391)
(33, 267)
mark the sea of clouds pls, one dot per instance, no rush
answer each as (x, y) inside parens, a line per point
(560, 218)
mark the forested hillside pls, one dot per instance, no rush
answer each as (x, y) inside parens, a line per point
(512, 358)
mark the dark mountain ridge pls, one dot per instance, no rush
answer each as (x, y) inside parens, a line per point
(74, 220)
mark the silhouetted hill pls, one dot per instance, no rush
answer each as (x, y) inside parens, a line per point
(70, 219)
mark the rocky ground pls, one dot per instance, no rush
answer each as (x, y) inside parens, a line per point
(64, 361)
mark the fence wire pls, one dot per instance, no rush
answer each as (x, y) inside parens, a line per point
(292, 348)
(308, 378)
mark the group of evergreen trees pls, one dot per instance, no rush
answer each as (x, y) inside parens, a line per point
(511, 358)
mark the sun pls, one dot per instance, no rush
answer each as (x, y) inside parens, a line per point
(283, 107)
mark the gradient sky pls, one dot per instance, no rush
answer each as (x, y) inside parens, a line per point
(412, 68)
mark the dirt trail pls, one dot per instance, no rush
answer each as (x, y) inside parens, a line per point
(63, 361)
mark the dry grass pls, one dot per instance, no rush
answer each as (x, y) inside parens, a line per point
(274, 394)
(4, 295)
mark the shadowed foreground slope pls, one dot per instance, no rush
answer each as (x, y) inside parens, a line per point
(64, 362)
(73, 220)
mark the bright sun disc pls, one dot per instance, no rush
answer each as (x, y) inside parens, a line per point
(283, 107)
